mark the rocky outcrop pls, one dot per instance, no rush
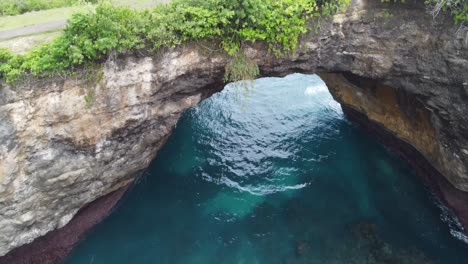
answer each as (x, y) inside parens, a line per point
(61, 152)
(57, 244)
(65, 143)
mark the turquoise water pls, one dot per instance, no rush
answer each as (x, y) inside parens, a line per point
(277, 176)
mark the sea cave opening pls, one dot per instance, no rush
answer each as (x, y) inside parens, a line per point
(273, 173)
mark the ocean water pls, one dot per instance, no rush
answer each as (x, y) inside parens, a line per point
(274, 175)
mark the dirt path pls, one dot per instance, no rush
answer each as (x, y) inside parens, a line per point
(53, 26)
(29, 30)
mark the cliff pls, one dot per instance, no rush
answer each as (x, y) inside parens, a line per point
(66, 142)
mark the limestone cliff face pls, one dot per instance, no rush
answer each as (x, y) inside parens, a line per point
(59, 153)
(65, 143)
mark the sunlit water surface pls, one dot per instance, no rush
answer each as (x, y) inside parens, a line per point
(277, 176)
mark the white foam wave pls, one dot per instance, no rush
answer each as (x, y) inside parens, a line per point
(459, 235)
(311, 90)
(261, 190)
(447, 216)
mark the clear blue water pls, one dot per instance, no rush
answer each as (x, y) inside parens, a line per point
(278, 176)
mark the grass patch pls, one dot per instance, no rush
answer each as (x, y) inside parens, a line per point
(63, 13)
(16, 7)
(39, 17)
(24, 44)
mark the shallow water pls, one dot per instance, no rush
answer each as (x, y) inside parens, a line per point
(277, 176)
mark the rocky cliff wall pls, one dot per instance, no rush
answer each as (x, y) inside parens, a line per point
(65, 143)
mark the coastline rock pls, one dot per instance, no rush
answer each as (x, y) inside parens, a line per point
(65, 143)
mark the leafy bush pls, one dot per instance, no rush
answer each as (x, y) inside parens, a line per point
(459, 8)
(241, 68)
(279, 23)
(10, 65)
(86, 38)
(90, 36)
(16, 7)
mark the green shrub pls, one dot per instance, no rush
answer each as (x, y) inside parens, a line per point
(461, 15)
(16, 7)
(241, 68)
(90, 36)
(458, 8)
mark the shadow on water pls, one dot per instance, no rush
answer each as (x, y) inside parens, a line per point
(283, 179)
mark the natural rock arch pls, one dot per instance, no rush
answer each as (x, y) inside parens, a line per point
(403, 76)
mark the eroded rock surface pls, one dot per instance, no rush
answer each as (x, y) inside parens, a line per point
(65, 143)
(60, 152)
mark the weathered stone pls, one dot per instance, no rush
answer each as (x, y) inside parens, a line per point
(404, 71)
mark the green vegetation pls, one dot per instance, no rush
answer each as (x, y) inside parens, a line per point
(89, 98)
(16, 7)
(90, 37)
(62, 13)
(241, 68)
(24, 44)
(34, 18)
(458, 8)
